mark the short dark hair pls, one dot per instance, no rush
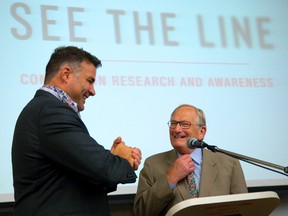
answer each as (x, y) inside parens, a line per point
(71, 55)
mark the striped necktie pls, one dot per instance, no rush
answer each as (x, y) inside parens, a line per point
(192, 187)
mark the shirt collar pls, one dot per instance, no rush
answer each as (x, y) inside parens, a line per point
(196, 155)
(62, 96)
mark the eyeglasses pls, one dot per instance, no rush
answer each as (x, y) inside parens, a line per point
(183, 124)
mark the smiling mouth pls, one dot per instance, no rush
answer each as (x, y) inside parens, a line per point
(180, 137)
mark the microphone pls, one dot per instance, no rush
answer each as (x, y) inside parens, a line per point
(194, 143)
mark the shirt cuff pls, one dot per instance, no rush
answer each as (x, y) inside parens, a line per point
(172, 186)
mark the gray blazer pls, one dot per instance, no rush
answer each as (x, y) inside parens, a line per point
(220, 175)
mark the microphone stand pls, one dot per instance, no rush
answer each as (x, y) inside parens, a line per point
(251, 160)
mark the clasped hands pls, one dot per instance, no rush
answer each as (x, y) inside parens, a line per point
(133, 155)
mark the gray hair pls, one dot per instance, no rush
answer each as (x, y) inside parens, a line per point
(200, 118)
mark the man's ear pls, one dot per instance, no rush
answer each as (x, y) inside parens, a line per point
(203, 130)
(65, 74)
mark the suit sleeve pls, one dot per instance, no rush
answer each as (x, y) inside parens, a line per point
(66, 142)
(153, 193)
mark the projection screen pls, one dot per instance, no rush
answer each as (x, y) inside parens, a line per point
(228, 58)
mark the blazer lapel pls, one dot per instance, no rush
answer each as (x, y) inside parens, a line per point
(208, 174)
(183, 189)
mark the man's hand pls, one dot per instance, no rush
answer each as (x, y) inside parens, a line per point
(133, 155)
(181, 167)
(137, 156)
(117, 141)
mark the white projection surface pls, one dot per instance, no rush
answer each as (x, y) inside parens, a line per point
(229, 58)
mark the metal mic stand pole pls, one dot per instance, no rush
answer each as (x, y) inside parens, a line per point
(246, 158)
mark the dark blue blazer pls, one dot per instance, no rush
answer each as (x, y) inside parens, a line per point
(58, 168)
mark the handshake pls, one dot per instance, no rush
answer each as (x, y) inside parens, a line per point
(132, 155)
